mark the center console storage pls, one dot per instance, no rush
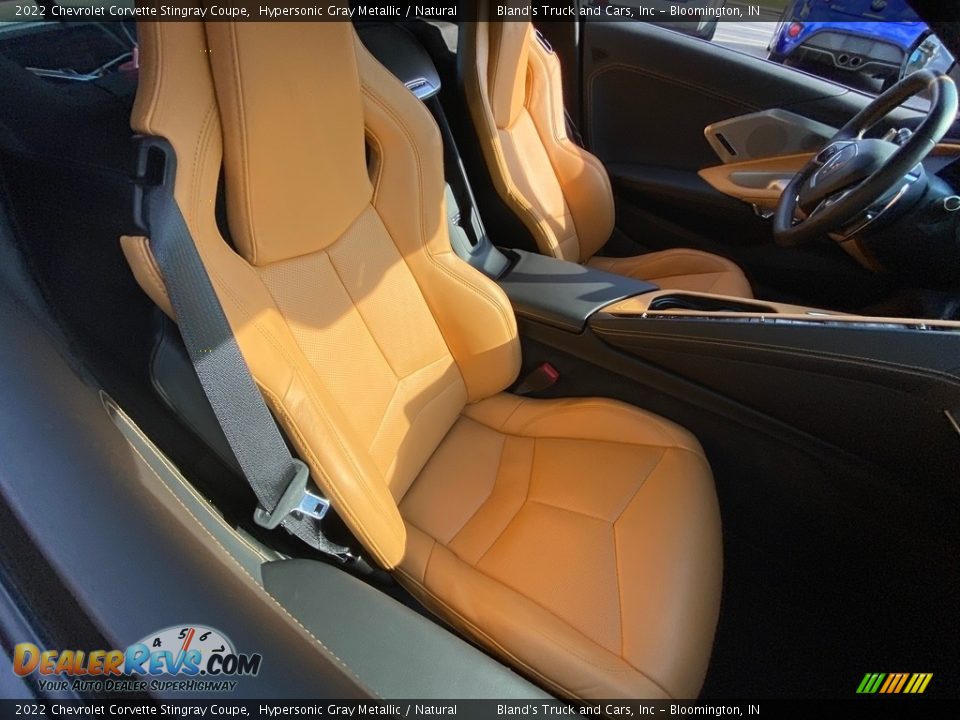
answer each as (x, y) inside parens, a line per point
(705, 303)
(688, 304)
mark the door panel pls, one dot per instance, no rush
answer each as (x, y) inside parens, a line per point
(649, 94)
(632, 68)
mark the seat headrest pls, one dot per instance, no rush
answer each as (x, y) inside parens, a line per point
(284, 99)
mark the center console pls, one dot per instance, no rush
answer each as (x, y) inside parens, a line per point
(563, 294)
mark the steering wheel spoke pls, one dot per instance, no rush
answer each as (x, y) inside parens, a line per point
(831, 200)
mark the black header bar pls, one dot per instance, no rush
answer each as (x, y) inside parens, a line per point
(658, 11)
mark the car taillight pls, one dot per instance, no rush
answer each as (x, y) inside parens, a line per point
(794, 29)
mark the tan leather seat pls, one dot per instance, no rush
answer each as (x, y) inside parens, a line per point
(577, 539)
(559, 190)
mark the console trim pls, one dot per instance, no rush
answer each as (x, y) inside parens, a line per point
(561, 293)
(644, 306)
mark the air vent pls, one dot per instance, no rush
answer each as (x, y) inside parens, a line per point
(726, 144)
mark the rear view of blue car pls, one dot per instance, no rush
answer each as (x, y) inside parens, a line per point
(864, 43)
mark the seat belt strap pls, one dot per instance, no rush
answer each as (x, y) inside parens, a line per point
(280, 482)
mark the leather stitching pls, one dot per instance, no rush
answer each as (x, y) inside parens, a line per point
(579, 407)
(597, 73)
(915, 371)
(375, 141)
(244, 144)
(150, 265)
(467, 627)
(343, 508)
(423, 240)
(356, 307)
(616, 572)
(181, 480)
(506, 526)
(550, 638)
(439, 394)
(493, 490)
(199, 155)
(513, 198)
(643, 482)
(551, 91)
(259, 588)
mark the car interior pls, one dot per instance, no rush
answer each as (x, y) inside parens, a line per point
(628, 364)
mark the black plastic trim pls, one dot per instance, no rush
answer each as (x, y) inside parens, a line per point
(403, 55)
(563, 294)
(414, 657)
(81, 492)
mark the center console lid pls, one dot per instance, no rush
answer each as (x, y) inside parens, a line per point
(560, 293)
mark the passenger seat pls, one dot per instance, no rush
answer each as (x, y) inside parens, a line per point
(557, 189)
(577, 540)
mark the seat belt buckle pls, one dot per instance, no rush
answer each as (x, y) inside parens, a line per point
(539, 379)
(297, 498)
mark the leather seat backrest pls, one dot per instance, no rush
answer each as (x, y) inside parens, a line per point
(365, 332)
(513, 87)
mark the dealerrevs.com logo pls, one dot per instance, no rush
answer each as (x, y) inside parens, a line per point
(179, 658)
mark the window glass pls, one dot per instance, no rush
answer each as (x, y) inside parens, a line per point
(867, 45)
(32, 36)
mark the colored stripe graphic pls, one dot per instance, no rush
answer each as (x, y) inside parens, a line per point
(870, 683)
(886, 686)
(894, 683)
(903, 681)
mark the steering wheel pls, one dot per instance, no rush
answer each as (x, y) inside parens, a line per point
(853, 173)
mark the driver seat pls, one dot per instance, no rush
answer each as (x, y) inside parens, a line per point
(579, 539)
(559, 191)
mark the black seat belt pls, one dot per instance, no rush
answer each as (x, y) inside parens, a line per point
(280, 482)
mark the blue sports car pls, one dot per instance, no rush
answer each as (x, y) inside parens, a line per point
(870, 43)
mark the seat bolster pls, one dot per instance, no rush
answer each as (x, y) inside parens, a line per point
(473, 58)
(681, 269)
(136, 251)
(507, 71)
(472, 311)
(176, 101)
(316, 425)
(583, 178)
